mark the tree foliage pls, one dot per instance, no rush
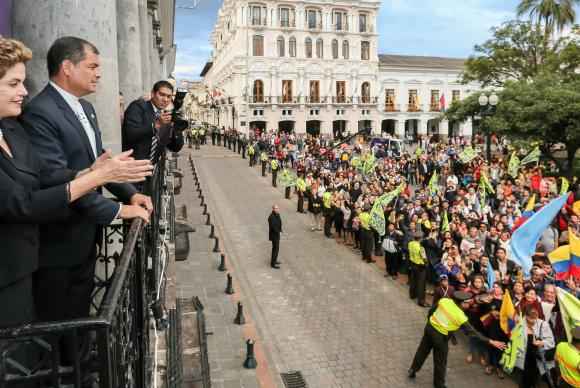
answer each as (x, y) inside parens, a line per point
(538, 84)
(552, 14)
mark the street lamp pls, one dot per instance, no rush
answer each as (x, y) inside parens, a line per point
(489, 104)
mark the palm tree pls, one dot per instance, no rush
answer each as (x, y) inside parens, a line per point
(554, 14)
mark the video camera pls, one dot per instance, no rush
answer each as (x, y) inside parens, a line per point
(179, 123)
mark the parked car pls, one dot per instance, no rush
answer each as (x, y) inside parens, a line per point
(393, 147)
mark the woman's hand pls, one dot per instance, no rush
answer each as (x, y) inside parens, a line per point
(128, 212)
(122, 168)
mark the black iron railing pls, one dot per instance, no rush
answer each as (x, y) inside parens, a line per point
(114, 342)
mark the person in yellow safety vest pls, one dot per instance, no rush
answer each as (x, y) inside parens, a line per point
(366, 235)
(327, 212)
(264, 160)
(444, 319)
(274, 165)
(300, 189)
(417, 270)
(251, 153)
(568, 358)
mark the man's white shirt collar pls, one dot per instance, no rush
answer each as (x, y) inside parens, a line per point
(70, 98)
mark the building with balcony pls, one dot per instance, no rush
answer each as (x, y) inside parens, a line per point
(314, 67)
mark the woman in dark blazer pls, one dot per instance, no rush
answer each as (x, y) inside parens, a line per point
(30, 196)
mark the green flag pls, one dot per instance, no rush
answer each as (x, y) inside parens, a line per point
(445, 223)
(467, 155)
(514, 165)
(570, 310)
(532, 157)
(355, 162)
(565, 186)
(369, 165)
(515, 348)
(287, 178)
(418, 152)
(484, 182)
(377, 221)
(433, 186)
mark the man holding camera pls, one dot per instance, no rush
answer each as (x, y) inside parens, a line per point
(148, 127)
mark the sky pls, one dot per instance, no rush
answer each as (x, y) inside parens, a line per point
(447, 28)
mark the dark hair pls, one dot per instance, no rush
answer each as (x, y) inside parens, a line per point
(162, 84)
(67, 48)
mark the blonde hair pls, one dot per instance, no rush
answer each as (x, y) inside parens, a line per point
(12, 52)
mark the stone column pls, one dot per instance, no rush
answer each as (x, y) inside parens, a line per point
(129, 48)
(39, 23)
(146, 36)
(467, 129)
(422, 129)
(400, 129)
(153, 52)
(444, 129)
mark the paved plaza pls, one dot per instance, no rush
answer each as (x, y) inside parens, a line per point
(325, 313)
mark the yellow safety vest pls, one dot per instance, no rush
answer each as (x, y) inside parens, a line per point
(365, 220)
(568, 358)
(327, 200)
(448, 317)
(264, 157)
(301, 184)
(251, 150)
(274, 164)
(416, 253)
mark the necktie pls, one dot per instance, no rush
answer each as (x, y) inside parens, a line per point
(88, 128)
(154, 141)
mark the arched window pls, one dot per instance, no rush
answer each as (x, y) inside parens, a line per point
(366, 93)
(281, 48)
(319, 48)
(334, 49)
(345, 49)
(365, 51)
(308, 48)
(292, 47)
(258, 46)
(258, 91)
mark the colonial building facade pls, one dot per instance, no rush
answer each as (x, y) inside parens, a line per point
(313, 66)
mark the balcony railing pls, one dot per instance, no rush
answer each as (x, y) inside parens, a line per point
(414, 108)
(392, 108)
(434, 107)
(314, 25)
(367, 100)
(116, 337)
(342, 99)
(288, 100)
(287, 24)
(259, 22)
(366, 29)
(340, 27)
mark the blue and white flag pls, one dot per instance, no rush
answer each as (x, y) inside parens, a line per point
(490, 276)
(523, 242)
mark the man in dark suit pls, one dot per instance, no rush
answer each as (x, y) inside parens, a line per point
(148, 127)
(64, 132)
(274, 230)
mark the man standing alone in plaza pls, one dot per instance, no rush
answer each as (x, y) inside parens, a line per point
(274, 230)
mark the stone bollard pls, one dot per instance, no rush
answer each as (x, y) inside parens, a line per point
(212, 231)
(222, 266)
(240, 319)
(216, 247)
(230, 286)
(250, 362)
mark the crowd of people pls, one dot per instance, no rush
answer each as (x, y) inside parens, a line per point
(448, 225)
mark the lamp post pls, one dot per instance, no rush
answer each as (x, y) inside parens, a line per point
(489, 105)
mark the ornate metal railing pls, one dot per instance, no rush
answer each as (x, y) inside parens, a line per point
(114, 341)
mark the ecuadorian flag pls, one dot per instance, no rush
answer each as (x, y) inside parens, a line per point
(566, 259)
(507, 314)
